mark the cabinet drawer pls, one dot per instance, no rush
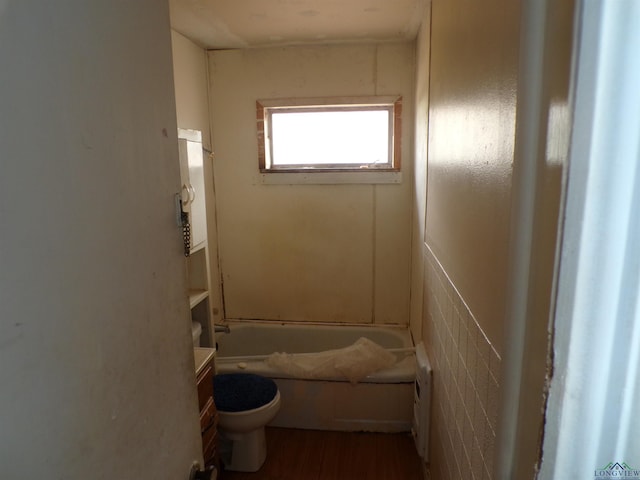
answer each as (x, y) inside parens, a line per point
(209, 452)
(208, 425)
(209, 438)
(205, 386)
(208, 416)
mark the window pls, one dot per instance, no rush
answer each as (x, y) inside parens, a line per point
(329, 134)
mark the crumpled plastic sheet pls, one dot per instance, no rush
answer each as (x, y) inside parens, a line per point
(354, 362)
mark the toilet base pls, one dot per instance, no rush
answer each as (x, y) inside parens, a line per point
(243, 452)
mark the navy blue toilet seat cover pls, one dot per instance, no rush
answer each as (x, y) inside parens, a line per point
(238, 392)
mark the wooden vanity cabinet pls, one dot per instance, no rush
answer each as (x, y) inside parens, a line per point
(208, 417)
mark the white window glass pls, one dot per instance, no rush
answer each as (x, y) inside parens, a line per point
(357, 138)
(343, 134)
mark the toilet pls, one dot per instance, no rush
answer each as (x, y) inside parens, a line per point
(245, 404)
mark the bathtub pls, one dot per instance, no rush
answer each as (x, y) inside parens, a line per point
(381, 402)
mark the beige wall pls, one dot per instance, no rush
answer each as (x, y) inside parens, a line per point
(541, 158)
(309, 252)
(472, 106)
(418, 212)
(190, 77)
(96, 360)
(474, 61)
(190, 81)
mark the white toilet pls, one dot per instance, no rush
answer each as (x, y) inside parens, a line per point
(245, 404)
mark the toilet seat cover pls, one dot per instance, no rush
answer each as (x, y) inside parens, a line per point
(239, 392)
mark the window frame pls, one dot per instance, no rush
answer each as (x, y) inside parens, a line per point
(265, 108)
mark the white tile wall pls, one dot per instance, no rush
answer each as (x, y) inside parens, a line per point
(466, 382)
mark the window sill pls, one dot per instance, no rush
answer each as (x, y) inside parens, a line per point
(328, 178)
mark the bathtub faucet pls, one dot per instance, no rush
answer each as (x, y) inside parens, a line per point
(221, 328)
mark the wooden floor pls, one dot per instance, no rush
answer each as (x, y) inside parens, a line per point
(314, 455)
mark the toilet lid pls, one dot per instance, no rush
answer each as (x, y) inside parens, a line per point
(238, 392)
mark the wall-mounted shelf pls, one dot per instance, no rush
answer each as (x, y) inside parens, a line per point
(197, 296)
(194, 203)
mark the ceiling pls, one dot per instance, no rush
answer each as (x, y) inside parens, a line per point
(218, 24)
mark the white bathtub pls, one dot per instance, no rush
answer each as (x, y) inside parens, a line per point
(382, 402)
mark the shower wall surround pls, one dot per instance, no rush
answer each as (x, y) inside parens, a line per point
(337, 252)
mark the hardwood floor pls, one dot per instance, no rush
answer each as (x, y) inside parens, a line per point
(314, 455)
